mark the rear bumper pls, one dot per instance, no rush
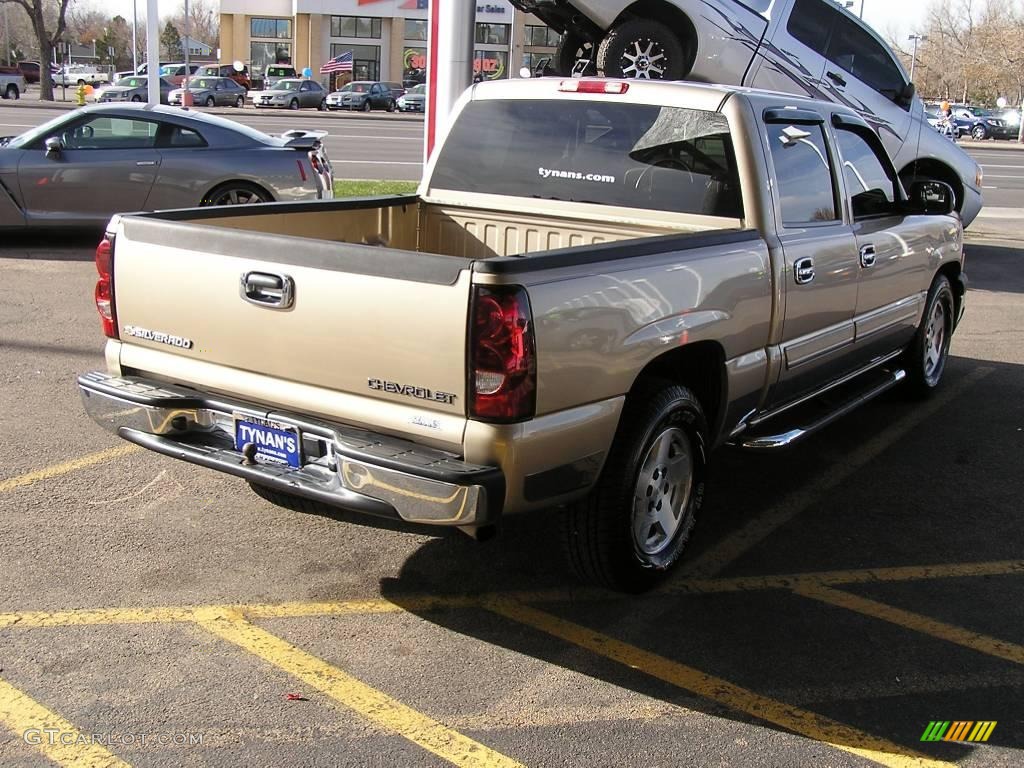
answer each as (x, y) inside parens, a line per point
(344, 467)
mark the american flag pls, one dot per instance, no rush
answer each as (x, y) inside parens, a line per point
(342, 63)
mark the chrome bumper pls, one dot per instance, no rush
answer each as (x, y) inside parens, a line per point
(344, 466)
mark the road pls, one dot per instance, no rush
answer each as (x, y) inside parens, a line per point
(835, 599)
(381, 146)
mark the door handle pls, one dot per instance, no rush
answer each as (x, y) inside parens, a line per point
(867, 256)
(803, 271)
(265, 289)
(836, 78)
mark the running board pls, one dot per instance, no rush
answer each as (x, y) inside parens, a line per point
(884, 380)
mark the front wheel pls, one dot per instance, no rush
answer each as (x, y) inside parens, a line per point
(210, 101)
(925, 358)
(632, 528)
(366, 106)
(136, 98)
(294, 104)
(643, 49)
(979, 133)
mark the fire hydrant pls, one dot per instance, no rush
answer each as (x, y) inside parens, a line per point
(80, 93)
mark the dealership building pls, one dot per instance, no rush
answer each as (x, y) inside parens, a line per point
(387, 38)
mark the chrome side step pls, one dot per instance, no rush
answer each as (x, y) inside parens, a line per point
(769, 442)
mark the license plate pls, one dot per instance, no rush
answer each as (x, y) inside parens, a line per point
(275, 442)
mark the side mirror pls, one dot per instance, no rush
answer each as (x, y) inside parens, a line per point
(53, 145)
(935, 198)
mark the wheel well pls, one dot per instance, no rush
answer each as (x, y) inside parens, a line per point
(952, 272)
(670, 15)
(242, 183)
(932, 169)
(701, 368)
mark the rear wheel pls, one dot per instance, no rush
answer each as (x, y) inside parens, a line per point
(240, 102)
(573, 48)
(925, 358)
(633, 527)
(237, 193)
(323, 105)
(392, 105)
(12, 92)
(644, 49)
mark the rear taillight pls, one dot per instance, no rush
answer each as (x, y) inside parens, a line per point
(105, 286)
(502, 355)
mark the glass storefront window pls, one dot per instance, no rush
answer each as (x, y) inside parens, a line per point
(280, 29)
(492, 34)
(262, 54)
(541, 37)
(365, 59)
(490, 65)
(355, 26)
(414, 66)
(415, 29)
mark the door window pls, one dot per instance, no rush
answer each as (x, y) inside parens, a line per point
(810, 22)
(184, 137)
(856, 51)
(871, 188)
(111, 133)
(804, 173)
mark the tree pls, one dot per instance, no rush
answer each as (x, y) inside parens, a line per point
(45, 16)
(171, 41)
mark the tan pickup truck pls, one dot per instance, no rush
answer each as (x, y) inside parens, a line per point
(597, 283)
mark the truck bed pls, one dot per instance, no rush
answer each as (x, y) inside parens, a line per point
(451, 227)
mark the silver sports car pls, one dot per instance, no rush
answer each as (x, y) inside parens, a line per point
(82, 167)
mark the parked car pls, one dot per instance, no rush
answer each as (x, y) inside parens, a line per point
(80, 74)
(398, 90)
(226, 70)
(30, 71)
(272, 73)
(210, 92)
(134, 88)
(981, 124)
(363, 95)
(414, 100)
(589, 294)
(811, 48)
(82, 167)
(12, 83)
(143, 69)
(292, 94)
(177, 73)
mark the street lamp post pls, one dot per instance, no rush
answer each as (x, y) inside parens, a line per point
(913, 57)
(135, 32)
(7, 38)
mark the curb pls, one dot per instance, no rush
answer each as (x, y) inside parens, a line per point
(1004, 145)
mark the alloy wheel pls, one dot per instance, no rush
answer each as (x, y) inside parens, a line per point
(662, 492)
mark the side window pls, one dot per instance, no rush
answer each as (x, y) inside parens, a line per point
(804, 173)
(103, 132)
(185, 137)
(872, 191)
(810, 22)
(856, 51)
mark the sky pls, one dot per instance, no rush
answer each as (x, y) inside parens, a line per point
(898, 17)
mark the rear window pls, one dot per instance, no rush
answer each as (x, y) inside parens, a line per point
(626, 155)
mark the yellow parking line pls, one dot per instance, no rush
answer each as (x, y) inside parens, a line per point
(734, 546)
(91, 616)
(50, 733)
(352, 693)
(74, 465)
(990, 646)
(799, 721)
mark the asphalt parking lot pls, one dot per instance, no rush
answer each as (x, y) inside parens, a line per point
(837, 598)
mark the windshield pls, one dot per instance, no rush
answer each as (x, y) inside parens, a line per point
(131, 82)
(169, 70)
(203, 83)
(287, 85)
(356, 88)
(419, 90)
(280, 71)
(624, 155)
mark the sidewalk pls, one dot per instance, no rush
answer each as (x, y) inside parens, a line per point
(1003, 144)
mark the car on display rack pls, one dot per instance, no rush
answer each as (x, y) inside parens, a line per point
(597, 283)
(133, 88)
(177, 73)
(293, 93)
(82, 167)
(273, 73)
(363, 95)
(414, 100)
(210, 92)
(812, 48)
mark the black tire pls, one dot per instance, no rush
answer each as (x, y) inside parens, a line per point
(236, 193)
(210, 101)
(650, 44)
(392, 106)
(240, 102)
(925, 359)
(603, 531)
(136, 98)
(80, 82)
(979, 132)
(367, 106)
(12, 92)
(323, 106)
(571, 48)
(293, 104)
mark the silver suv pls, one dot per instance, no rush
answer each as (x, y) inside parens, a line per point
(808, 47)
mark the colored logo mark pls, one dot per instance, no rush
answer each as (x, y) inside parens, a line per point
(959, 730)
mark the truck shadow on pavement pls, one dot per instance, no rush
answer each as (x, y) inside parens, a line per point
(851, 590)
(70, 245)
(994, 268)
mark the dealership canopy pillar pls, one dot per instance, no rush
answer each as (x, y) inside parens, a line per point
(449, 63)
(153, 51)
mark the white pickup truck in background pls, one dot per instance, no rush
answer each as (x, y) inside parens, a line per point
(80, 74)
